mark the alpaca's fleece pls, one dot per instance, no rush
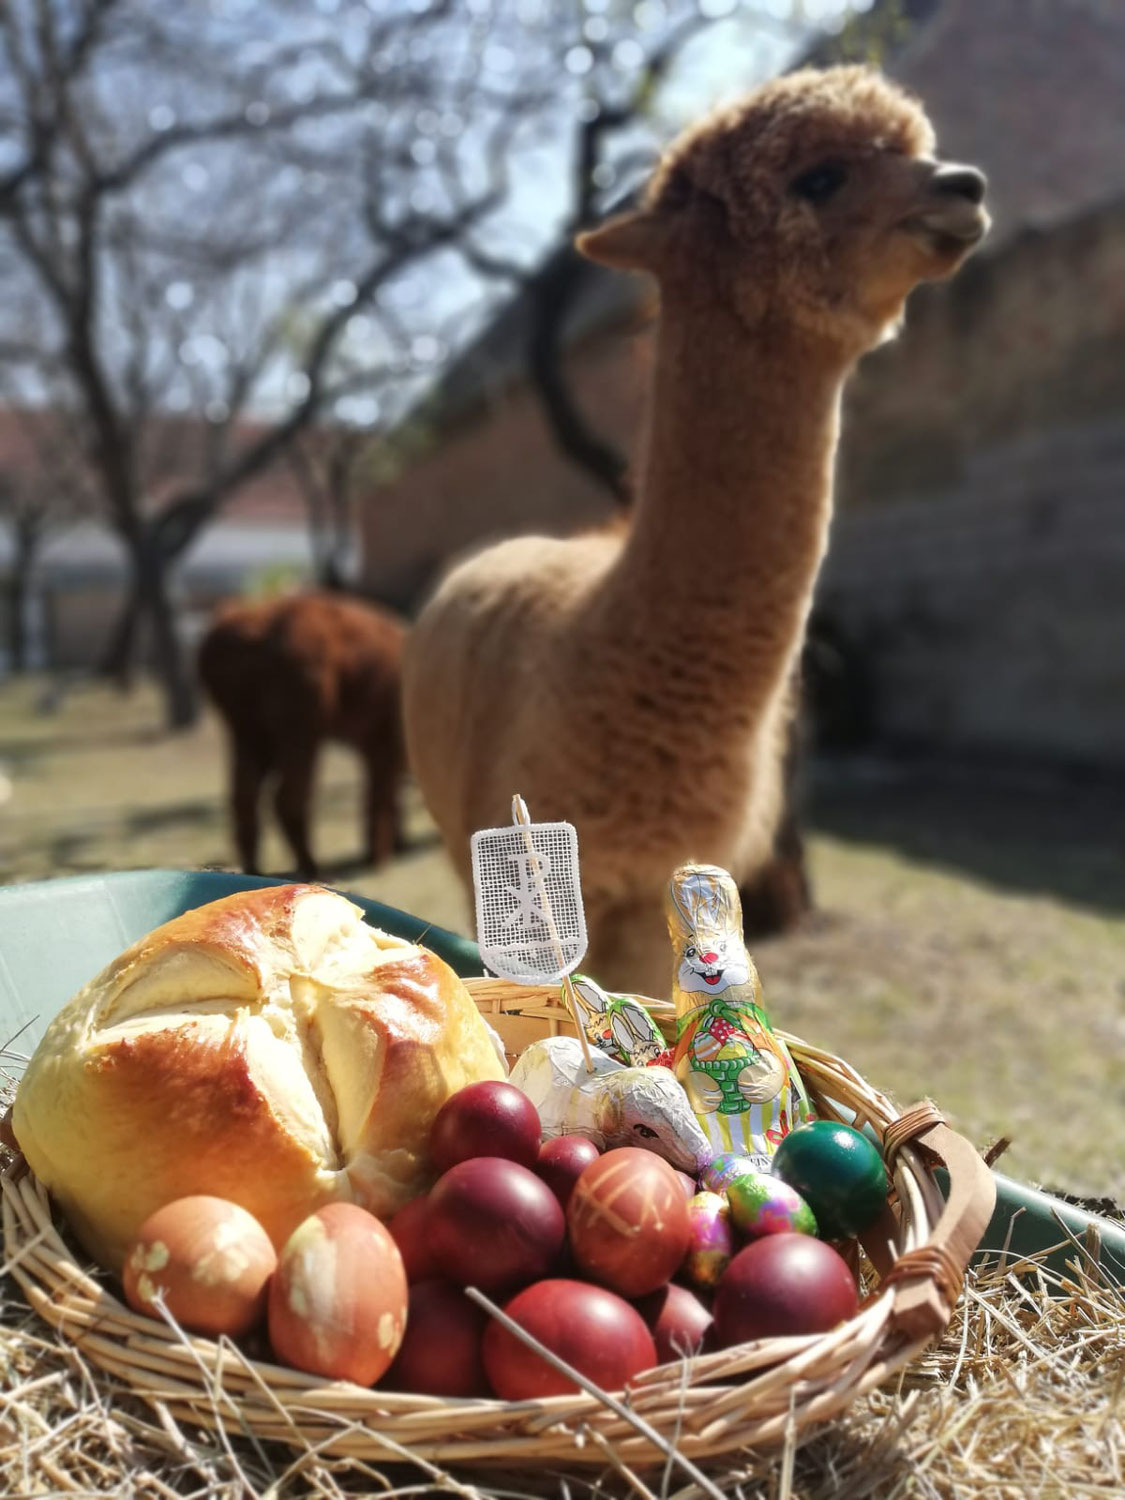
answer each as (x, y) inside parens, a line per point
(639, 685)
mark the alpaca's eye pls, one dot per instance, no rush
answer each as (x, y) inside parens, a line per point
(819, 183)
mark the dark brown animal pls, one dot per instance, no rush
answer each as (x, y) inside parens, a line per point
(288, 674)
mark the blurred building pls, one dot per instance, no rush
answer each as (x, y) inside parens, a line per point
(976, 578)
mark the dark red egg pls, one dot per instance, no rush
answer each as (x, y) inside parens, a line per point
(678, 1321)
(783, 1284)
(562, 1160)
(411, 1233)
(594, 1331)
(488, 1118)
(494, 1225)
(628, 1221)
(440, 1354)
(689, 1184)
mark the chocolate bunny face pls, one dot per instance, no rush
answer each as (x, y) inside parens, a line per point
(705, 924)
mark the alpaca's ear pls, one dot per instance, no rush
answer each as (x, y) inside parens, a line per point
(628, 242)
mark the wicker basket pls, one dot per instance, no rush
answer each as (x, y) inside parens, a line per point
(716, 1404)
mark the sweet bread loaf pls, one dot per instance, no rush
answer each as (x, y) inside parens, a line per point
(269, 1048)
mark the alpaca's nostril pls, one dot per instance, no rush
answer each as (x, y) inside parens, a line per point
(962, 182)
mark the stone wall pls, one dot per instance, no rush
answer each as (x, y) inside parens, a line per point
(977, 565)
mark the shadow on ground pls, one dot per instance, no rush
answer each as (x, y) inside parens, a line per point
(1025, 830)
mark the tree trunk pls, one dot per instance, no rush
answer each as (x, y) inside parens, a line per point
(176, 677)
(119, 660)
(17, 588)
(148, 601)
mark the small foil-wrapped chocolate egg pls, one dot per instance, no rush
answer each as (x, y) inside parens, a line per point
(719, 1174)
(761, 1204)
(712, 1239)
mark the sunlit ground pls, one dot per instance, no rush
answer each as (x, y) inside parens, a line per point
(969, 942)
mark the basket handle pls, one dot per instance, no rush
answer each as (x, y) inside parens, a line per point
(927, 1281)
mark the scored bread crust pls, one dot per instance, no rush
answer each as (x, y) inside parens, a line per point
(269, 1048)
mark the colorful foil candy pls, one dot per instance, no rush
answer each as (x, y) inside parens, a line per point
(712, 1239)
(762, 1204)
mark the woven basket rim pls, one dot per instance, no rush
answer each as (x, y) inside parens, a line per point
(713, 1404)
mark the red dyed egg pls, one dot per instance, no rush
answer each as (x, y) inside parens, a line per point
(562, 1160)
(440, 1353)
(783, 1284)
(494, 1225)
(679, 1322)
(594, 1331)
(411, 1233)
(628, 1221)
(337, 1305)
(209, 1260)
(488, 1118)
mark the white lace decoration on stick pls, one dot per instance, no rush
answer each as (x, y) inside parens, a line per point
(531, 926)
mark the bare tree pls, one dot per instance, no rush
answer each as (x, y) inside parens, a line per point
(211, 219)
(44, 488)
(329, 466)
(616, 129)
(199, 211)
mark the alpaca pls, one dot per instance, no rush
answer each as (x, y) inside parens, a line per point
(639, 684)
(287, 674)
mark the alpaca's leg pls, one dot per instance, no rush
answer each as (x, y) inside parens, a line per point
(293, 800)
(629, 949)
(247, 774)
(381, 808)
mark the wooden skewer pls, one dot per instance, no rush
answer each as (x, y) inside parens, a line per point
(522, 817)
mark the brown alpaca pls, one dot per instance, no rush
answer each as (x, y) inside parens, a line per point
(639, 685)
(287, 674)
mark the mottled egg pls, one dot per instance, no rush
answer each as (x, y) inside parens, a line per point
(712, 1239)
(720, 1173)
(763, 1204)
(337, 1304)
(838, 1171)
(207, 1259)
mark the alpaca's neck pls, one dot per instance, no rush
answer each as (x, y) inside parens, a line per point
(732, 520)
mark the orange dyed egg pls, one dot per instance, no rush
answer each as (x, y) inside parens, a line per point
(337, 1305)
(628, 1221)
(207, 1259)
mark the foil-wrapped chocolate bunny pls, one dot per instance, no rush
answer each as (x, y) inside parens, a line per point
(742, 1083)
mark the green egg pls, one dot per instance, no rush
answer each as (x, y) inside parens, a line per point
(838, 1172)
